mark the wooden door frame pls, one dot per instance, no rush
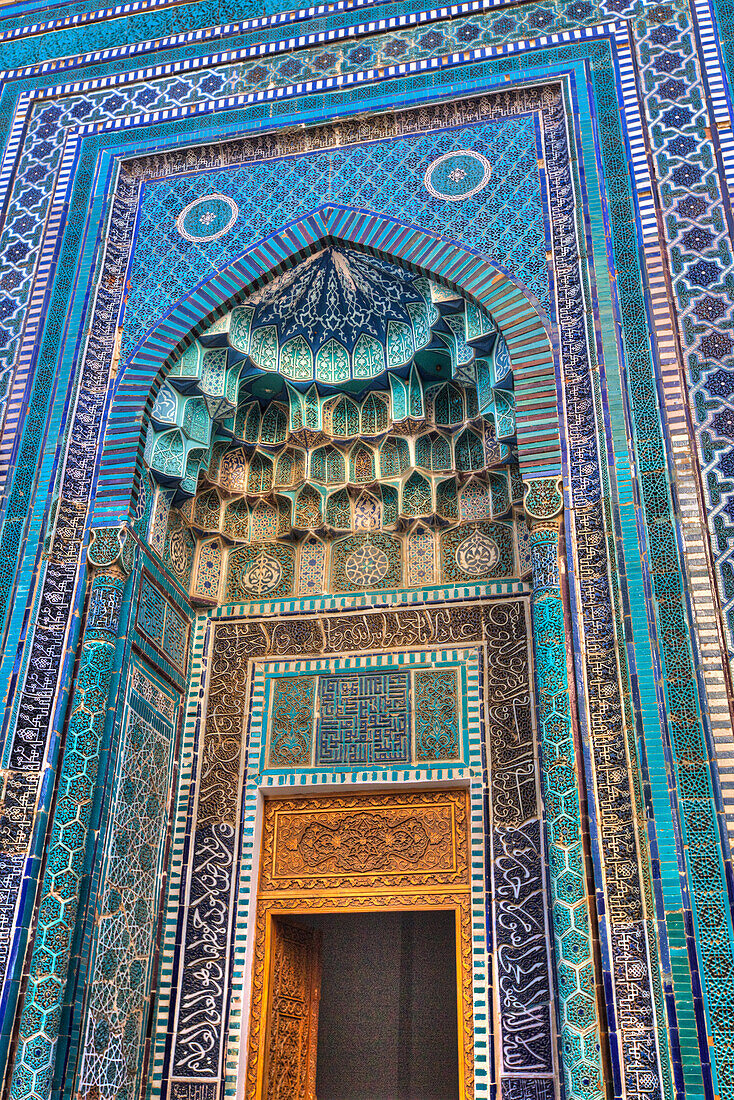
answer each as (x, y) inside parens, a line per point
(269, 909)
(424, 890)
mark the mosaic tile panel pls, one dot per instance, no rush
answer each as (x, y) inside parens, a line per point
(504, 219)
(292, 720)
(257, 571)
(117, 1003)
(312, 568)
(421, 558)
(159, 621)
(208, 571)
(366, 562)
(178, 554)
(477, 550)
(38, 1032)
(436, 720)
(363, 719)
(502, 627)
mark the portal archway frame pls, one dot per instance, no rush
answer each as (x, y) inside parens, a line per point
(520, 320)
(439, 880)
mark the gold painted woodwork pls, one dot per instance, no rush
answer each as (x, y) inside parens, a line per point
(293, 1013)
(425, 865)
(356, 843)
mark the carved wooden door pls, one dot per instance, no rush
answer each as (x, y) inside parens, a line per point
(293, 1012)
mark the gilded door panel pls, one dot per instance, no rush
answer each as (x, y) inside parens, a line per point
(350, 854)
(293, 1008)
(354, 842)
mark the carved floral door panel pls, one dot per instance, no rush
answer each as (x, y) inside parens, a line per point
(292, 1013)
(349, 853)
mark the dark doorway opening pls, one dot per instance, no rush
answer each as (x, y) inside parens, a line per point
(387, 1024)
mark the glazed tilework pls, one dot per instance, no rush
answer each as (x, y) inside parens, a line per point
(62, 880)
(515, 830)
(259, 496)
(362, 719)
(504, 220)
(159, 621)
(686, 126)
(365, 719)
(118, 999)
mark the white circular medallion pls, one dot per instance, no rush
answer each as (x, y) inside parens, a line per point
(366, 566)
(207, 218)
(457, 176)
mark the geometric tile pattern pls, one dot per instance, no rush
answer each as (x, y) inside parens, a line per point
(504, 221)
(119, 993)
(158, 620)
(66, 848)
(364, 719)
(580, 1030)
(434, 708)
(292, 722)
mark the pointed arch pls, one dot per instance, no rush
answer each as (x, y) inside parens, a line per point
(374, 415)
(260, 477)
(233, 470)
(207, 510)
(339, 511)
(207, 579)
(274, 426)
(421, 556)
(519, 318)
(327, 466)
(474, 501)
(284, 470)
(394, 456)
(469, 451)
(417, 497)
(264, 522)
(312, 566)
(236, 522)
(308, 509)
(361, 464)
(344, 418)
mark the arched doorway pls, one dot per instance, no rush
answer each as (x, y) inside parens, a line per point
(341, 501)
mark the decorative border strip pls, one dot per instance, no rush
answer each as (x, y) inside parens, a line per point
(210, 34)
(418, 598)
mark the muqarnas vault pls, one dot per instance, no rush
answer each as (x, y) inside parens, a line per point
(367, 551)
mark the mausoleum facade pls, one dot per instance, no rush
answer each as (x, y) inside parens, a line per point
(367, 551)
